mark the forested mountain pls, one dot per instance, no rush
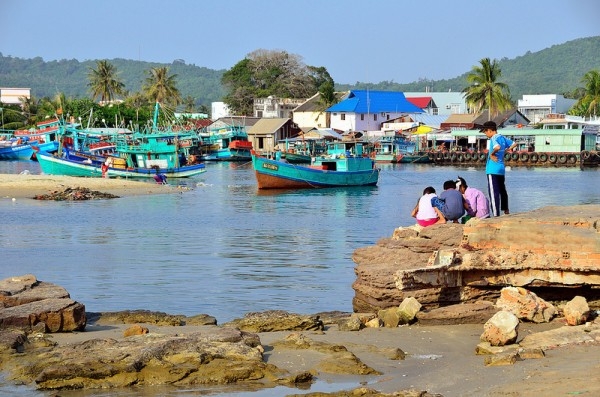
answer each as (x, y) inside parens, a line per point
(70, 77)
(555, 70)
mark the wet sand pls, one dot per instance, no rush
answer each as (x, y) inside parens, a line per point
(439, 359)
(20, 186)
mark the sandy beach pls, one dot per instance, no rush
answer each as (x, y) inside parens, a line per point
(22, 186)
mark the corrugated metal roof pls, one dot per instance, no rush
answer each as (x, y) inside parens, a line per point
(267, 126)
(365, 101)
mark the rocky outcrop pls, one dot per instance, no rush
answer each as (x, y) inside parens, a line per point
(29, 304)
(276, 320)
(553, 251)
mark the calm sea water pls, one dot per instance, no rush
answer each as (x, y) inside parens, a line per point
(225, 249)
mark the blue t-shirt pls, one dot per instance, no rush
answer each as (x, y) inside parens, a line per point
(453, 207)
(497, 167)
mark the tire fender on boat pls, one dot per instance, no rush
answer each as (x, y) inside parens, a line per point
(446, 156)
(524, 157)
(514, 156)
(585, 155)
(562, 159)
(460, 157)
(552, 158)
(572, 158)
(507, 156)
(453, 157)
(482, 156)
(533, 157)
(543, 157)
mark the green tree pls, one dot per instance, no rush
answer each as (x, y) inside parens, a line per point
(266, 73)
(485, 90)
(161, 87)
(104, 83)
(240, 83)
(589, 104)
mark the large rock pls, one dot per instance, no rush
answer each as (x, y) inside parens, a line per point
(276, 320)
(526, 305)
(29, 304)
(549, 251)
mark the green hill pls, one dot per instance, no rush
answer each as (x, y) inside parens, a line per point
(554, 70)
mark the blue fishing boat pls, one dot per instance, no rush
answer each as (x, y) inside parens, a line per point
(343, 165)
(14, 148)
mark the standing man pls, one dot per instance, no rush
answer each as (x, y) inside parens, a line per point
(494, 168)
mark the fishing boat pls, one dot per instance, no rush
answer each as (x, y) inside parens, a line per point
(397, 149)
(142, 154)
(228, 143)
(14, 148)
(343, 165)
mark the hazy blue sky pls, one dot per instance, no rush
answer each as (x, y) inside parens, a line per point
(367, 41)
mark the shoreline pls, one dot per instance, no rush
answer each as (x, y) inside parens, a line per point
(27, 186)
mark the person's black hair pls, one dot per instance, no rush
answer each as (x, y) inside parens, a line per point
(450, 184)
(462, 181)
(428, 190)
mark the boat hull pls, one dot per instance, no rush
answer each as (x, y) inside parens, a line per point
(273, 174)
(52, 165)
(18, 152)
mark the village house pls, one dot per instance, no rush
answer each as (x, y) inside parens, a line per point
(311, 113)
(266, 134)
(364, 110)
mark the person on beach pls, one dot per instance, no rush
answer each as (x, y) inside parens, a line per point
(495, 169)
(451, 202)
(425, 213)
(479, 206)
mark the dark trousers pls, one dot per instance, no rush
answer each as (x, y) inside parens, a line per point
(498, 194)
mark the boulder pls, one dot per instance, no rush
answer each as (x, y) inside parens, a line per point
(576, 311)
(33, 305)
(526, 305)
(501, 329)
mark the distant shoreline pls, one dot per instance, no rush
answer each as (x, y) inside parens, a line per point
(20, 186)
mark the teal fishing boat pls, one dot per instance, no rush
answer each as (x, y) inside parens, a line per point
(229, 143)
(343, 165)
(143, 154)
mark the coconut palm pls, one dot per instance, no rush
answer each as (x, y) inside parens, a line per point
(590, 103)
(485, 91)
(162, 88)
(104, 82)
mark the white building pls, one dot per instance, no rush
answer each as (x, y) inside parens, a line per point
(447, 102)
(10, 96)
(273, 107)
(219, 110)
(537, 107)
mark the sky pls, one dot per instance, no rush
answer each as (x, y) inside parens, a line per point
(356, 41)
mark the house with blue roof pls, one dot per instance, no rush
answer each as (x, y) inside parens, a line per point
(365, 110)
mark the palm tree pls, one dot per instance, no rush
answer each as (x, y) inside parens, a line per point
(485, 91)
(104, 82)
(590, 102)
(162, 88)
(189, 104)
